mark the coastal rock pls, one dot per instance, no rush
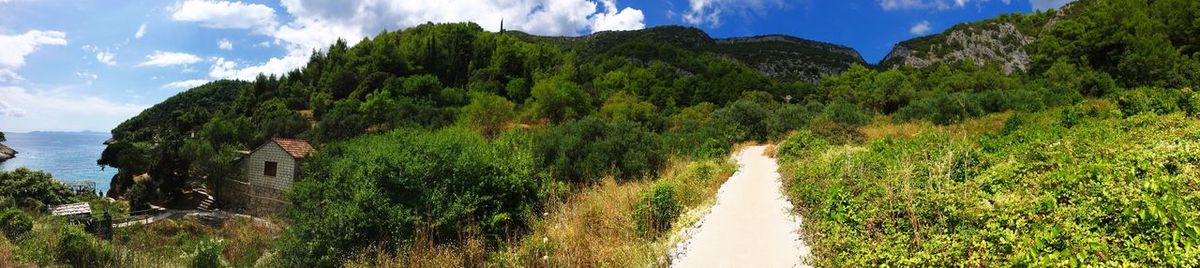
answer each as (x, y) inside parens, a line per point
(6, 153)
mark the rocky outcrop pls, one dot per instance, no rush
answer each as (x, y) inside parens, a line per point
(992, 42)
(6, 153)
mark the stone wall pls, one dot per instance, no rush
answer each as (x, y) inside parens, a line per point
(246, 198)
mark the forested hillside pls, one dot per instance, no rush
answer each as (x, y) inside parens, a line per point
(450, 135)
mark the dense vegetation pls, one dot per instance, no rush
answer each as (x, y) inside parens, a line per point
(442, 132)
(1077, 185)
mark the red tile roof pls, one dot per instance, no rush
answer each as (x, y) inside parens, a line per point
(294, 147)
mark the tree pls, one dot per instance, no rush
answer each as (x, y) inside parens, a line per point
(488, 114)
(625, 106)
(558, 100)
(33, 189)
(2, 138)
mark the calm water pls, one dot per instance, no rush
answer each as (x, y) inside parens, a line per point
(67, 156)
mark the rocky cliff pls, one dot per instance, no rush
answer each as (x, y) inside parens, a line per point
(6, 153)
(1003, 41)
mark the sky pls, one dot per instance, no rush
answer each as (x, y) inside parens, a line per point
(88, 65)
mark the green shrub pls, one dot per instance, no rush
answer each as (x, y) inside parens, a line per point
(79, 249)
(1071, 116)
(657, 208)
(1012, 124)
(15, 223)
(586, 150)
(33, 189)
(207, 254)
(380, 190)
(140, 196)
(845, 113)
(752, 119)
(798, 144)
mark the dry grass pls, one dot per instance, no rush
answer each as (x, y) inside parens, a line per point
(471, 252)
(883, 126)
(593, 227)
(596, 228)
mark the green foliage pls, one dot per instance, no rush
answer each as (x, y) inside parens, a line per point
(140, 195)
(2, 138)
(33, 190)
(657, 208)
(1108, 192)
(559, 100)
(79, 249)
(586, 150)
(488, 114)
(378, 190)
(625, 106)
(207, 254)
(15, 223)
(1157, 101)
(845, 113)
(799, 144)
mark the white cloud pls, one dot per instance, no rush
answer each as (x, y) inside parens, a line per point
(106, 58)
(710, 11)
(228, 69)
(166, 58)
(186, 84)
(141, 31)
(226, 15)
(920, 28)
(87, 77)
(16, 47)
(7, 75)
(615, 20)
(225, 44)
(60, 110)
(316, 24)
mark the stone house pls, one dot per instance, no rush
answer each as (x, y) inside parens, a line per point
(267, 174)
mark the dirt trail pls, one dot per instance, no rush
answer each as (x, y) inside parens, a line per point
(751, 225)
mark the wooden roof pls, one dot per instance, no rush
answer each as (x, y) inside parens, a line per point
(296, 148)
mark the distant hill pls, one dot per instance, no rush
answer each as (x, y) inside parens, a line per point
(780, 57)
(1003, 40)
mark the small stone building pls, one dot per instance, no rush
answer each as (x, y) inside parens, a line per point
(267, 175)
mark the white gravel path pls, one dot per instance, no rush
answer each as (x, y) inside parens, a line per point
(751, 225)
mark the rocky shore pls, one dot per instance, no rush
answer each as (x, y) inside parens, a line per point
(6, 153)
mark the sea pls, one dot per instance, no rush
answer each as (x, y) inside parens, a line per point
(68, 156)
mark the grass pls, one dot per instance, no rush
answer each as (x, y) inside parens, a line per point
(597, 227)
(593, 227)
(1106, 190)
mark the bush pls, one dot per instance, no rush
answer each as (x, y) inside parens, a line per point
(33, 189)
(657, 208)
(749, 117)
(798, 144)
(15, 223)
(845, 113)
(488, 114)
(1071, 116)
(79, 249)
(1012, 124)
(207, 254)
(586, 150)
(140, 196)
(379, 190)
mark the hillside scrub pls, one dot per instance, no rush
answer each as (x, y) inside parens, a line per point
(1105, 190)
(380, 190)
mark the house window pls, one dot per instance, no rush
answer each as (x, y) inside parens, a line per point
(269, 168)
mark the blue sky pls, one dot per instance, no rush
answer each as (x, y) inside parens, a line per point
(71, 65)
